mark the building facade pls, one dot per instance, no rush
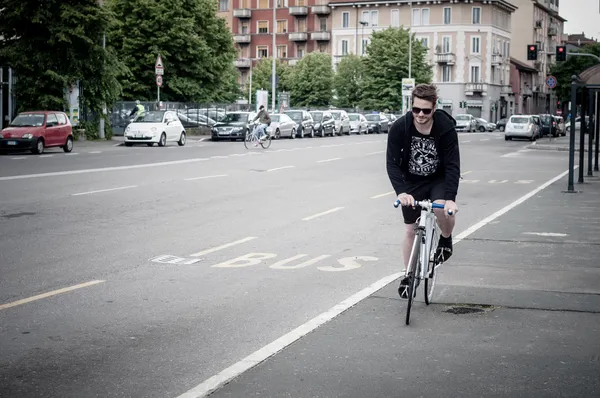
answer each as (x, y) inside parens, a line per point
(522, 80)
(469, 45)
(538, 22)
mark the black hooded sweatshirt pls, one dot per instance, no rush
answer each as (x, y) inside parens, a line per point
(446, 141)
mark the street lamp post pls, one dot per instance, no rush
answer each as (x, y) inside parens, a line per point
(273, 67)
(362, 37)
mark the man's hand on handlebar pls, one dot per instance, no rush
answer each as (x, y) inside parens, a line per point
(406, 200)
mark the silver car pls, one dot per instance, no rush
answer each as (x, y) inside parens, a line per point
(281, 126)
(465, 122)
(358, 123)
(522, 126)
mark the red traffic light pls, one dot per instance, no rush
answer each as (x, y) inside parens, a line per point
(532, 48)
(561, 49)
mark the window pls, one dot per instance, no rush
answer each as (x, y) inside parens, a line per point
(447, 15)
(244, 28)
(323, 47)
(263, 4)
(300, 51)
(365, 17)
(374, 18)
(245, 4)
(476, 15)
(344, 47)
(323, 24)
(475, 45)
(223, 5)
(395, 18)
(424, 41)
(300, 3)
(282, 26)
(446, 73)
(365, 43)
(281, 51)
(446, 45)
(262, 51)
(282, 3)
(301, 25)
(263, 26)
(425, 16)
(345, 19)
(62, 119)
(416, 17)
(475, 78)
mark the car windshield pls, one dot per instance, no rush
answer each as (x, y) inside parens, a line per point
(462, 117)
(354, 118)
(547, 119)
(296, 116)
(372, 118)
(275, 118)
(336, 115)
(519, 120)
(151, 117)
(317, 116)
(234, 117)
(29, 120)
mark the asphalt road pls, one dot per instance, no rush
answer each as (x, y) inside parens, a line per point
(179, 262)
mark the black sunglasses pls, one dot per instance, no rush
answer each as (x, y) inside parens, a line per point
(426, 111)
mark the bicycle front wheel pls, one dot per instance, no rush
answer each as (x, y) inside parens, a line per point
(433, 262)
(413, 273)
(266, 143)
(248, 140)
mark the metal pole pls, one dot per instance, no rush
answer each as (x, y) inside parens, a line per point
(597, 128)
(410, 44)
(101, 128)
(590, 132)
(1, 98)
(273, 68)
(10, 94)
(582, 135)
(570, 187)
(250, 85)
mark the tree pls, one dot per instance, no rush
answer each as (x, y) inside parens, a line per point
(386, 64)
(574, 65)
(195, 45)
(53, 44)
(348, 81)
(261, 76)
(312, 81)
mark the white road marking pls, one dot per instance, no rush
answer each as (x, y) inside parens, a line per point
(100, 170)
(49, 294)
(327, 160)
(95, 152)
(238, 154)
(545, 234)
(331, 145)
(103, 190)
(497, 181)
(374, 153)
(322, 213)
(469, 181)
(225, 246)
(382, 195)
(260, 355)
(118, 144)
(206, 177)
(71, 153)
(19, 158)
(464, 142)
(45, 156)
(217, 157)
(523, 182)
(466, 172)
(280, 168)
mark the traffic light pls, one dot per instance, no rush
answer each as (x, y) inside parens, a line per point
(532, 52)
(561, 53)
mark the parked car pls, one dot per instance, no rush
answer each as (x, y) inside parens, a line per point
(378, 123)
(483, 125)
(304, 122)
(38, 130)
(358, 123)
(548, 125)
(155, 127)
(501, 124)
(233, 126)
(560, 125)
(522, 126)
(324, 123)
(342, 122)
(281, 126)
(466, 122)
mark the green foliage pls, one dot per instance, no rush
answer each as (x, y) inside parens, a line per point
(312, 81)
(348, 81)
(386, 64)
(574, 65)
(261, 76)
(53, 44)
(196, 47)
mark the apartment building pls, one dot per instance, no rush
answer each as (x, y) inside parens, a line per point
(469, 45)
(538, 21)
(301, 26)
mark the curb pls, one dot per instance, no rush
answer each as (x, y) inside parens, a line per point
(543, 147)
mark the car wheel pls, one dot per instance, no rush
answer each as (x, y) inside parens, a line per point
(482, 129)
(68, 147)
(163, 140)
(277, 134)
(312, 132)
(39, 147)
(182, 139)
(501, 128)
(293, 135)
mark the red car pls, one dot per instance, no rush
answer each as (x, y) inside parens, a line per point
(38, 130)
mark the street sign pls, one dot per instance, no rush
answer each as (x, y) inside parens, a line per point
(551, 81)
(159, 80)
(159, 68)
(407, 87)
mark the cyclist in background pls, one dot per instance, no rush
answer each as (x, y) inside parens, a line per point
(264, 120)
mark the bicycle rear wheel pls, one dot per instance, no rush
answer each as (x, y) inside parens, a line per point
(248, 140)
(413, 273)
(266, 143)
(431, 271)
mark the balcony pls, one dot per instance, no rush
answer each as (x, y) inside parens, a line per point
(242, 39)
(552, 31)
(321, 10)
(445, 58)
(298, 10)
(293, 61)
(496, 59)
(475, 88)
(242, 13)
(506, 90)
(298, 36)
(526, 92)
(320, 36)
(243, 63)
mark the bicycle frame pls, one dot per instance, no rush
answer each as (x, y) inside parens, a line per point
(429, 237)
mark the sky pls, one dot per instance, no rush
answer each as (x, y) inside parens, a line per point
(581, 16)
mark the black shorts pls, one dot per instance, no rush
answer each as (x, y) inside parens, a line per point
(422, 190)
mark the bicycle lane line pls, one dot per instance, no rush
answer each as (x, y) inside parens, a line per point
(215, 382)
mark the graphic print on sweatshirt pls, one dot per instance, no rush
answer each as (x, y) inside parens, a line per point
(424, 159)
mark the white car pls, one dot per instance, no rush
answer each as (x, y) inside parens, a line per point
(342, 122)
(522, 126)
(358, 123)
(465, 122)
(155, 127)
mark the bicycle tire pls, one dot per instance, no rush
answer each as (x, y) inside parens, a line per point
(248, 140)
(431, 273)
(266, 143)
(412, 274)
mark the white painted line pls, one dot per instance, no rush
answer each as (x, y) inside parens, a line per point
(464, 142)
(103, 190)
(71, 153)
(545, 234)
(206, 177)
(469, 181)
(523, 181)
(260, 355)
(238, 154)
(466, 172)
(322, 214)
(217, 157)
(45, 156)
(331, 145)
(95, 152)
(281, 168)
(225, 246)
(19, 158)
(327, 160)
(382, 195)
(100, 170)
(374, 153)
(117, 144)
(49, 294)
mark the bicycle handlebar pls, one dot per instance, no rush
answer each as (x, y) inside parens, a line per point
(425, 204)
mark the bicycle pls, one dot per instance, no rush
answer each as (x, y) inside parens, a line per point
(252, 138)
(427, 235)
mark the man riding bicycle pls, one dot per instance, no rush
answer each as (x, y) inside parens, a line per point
(423, 162)
(265, 120)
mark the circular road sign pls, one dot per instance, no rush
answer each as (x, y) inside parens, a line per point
(551, 81)
(159, 80)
